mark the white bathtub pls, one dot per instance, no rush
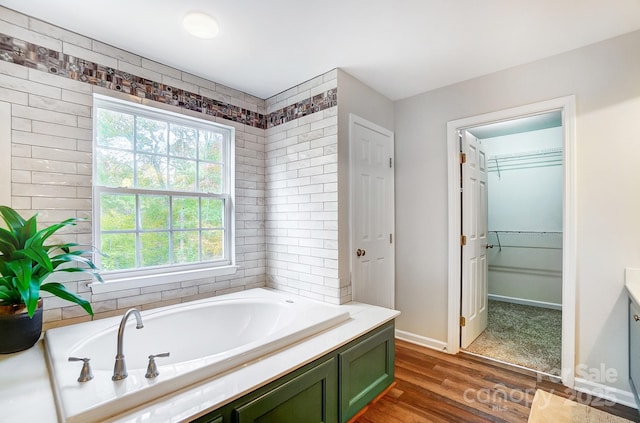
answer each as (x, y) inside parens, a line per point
(205, 338)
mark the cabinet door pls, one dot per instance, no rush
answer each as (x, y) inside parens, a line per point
(211, 418)
(366, 369)
(634, 347)
(311, 397)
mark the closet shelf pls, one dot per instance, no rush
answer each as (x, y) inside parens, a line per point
(546, 240)
(532, 159)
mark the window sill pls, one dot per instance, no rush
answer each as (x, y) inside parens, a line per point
(119, 284)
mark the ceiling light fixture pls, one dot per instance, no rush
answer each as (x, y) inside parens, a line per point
(200, 25)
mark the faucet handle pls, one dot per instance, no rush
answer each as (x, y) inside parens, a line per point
(152, 368)
(85, 374)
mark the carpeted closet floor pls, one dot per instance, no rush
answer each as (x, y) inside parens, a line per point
(524, 335)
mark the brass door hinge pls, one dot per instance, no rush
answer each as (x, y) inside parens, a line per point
(463, 321)
(463, 158)
(463, 240)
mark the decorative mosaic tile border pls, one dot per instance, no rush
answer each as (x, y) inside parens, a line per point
(43, 59)
(311, 105)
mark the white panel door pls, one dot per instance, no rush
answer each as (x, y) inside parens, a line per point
(372, 218)
(474, 228)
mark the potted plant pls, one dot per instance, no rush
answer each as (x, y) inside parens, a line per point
(25, 264)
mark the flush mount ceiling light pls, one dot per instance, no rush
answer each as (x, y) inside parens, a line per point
(200, 25)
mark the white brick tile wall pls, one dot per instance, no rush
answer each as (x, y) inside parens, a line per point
(179, 83)
(140, 71)
(57, 105)
(286, 176)
(296, 221)
(201, 83)
(7, 68)
(57, 33)
(44, 115)
(19, 84)
(161, 69)
(30, 36)
(51, 162)
(117, 53)
(9, 15)
(56, 81)
(88, 54)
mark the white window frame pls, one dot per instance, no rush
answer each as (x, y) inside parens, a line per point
(148, 276)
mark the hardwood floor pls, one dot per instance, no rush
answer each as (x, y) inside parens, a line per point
(436, 387)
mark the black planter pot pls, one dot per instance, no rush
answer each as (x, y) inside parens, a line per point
(18, 332)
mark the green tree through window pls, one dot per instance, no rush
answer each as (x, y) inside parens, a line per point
(163, 192)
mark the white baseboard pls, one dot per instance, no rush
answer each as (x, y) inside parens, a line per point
(599, 390)
(421, 340)
(524, 301)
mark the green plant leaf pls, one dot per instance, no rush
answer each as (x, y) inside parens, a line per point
(81, 270)
(25, 262)
(61, 291)
(41, 236)
(73, 256)
(30, 228)
(21, 268)
(8, 238)
(39, 256)
(13, 220)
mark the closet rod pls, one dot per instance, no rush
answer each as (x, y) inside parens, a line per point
(530, 154)
(526, 232)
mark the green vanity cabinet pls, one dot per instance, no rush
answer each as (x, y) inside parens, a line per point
(330, 389)
(310, 397)
(366, 369)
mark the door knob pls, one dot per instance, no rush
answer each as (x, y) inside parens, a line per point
(360, 253)
(636, 317)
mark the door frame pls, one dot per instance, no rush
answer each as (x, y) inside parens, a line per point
(357, 120)
(569, 241)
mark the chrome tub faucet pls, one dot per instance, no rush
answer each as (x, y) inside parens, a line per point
(120, 368)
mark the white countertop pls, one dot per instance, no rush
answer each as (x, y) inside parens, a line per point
(26, 395)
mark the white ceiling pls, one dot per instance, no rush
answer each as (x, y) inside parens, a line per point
(398, 47)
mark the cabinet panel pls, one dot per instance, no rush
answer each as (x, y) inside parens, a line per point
(310, 397)
(209, 419)
(366, 369)
(634, 348)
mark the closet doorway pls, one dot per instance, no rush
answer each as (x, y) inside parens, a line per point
(532, 260)
(521, 243)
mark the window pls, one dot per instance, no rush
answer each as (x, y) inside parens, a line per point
(163, 191)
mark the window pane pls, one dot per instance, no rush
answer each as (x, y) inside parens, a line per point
(119, 251)
(212, 245)
(154, 248)
(183, 141)
(210, 146)
(152, 171)
(117, 212)
(185, 213)
(182, 174)
(158, 170)
(115, 168)
(154, 212)
(151, 136)
(186, 247)
(114, 129)
(212, 213)
(210, 179)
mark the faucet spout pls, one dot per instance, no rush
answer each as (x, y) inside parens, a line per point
(120, 367)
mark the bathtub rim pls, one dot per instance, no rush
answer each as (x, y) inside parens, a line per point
(131, 400)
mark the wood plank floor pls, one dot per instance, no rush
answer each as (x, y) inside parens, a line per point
(436, 387)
